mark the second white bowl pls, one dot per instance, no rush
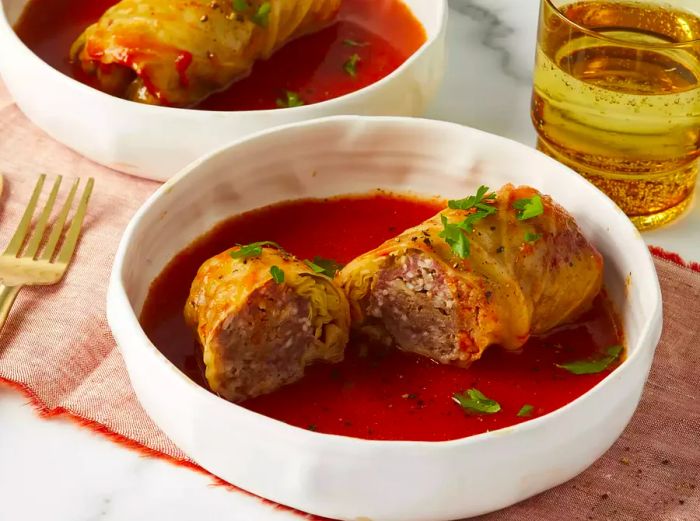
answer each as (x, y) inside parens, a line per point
(155, 142)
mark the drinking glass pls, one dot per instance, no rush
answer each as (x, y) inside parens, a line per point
(617, 98)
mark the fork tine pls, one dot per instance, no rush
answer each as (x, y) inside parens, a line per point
(23, 226)
(71, 239)
(38, 233)
(57, 227)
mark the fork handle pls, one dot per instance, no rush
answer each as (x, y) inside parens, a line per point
(7, 298)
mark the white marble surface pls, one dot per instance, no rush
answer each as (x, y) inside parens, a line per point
(53, 470)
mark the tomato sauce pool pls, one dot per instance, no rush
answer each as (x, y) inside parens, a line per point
(379, 393)
(369, 40)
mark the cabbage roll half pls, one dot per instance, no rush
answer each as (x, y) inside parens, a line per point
(261, 316)
(490, 269)
(178, 52)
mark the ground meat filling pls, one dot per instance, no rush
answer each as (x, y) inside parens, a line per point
(266, 343)
(415, 306)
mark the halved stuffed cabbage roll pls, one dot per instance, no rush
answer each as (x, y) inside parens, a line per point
(261, 316)
(491, 269)
(176, 53)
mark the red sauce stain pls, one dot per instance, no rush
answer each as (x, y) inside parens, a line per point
(377, 393)
(182, 62)
(312, 66)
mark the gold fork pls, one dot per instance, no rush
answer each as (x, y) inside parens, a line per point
(23, 267)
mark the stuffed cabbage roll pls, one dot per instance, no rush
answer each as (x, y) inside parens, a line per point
(261, 316)
(493, 268)
(176, 53)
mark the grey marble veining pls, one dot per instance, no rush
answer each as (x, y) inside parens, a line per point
(491, 51)
(496, 34)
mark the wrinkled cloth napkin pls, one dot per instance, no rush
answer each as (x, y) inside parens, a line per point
(57, 349)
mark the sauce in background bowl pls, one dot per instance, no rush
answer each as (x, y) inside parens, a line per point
(368, 41)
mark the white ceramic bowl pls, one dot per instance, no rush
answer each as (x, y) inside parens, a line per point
(349, 478)
(156, 142)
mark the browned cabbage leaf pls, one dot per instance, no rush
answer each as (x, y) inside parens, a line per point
(258, 333)
(176, 53)
(521, 277)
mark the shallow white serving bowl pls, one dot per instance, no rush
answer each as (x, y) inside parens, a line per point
(156, 142)
(349, 478)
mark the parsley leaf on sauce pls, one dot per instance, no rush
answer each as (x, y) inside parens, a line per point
(525, 411)
(291, 99)
(354, 43)
(277, 274)
(327, 267)
(251, 250)
(593, 366)
(473, 401)
(529, 207)
(261, 15)
(350, 66)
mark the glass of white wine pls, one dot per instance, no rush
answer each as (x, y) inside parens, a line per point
(617, 98)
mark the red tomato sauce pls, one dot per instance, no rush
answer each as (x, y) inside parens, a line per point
(312, 66)
(379, 393)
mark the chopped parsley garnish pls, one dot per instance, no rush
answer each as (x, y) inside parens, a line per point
(480, 206)
(593, 366)
(532, 237)
(529, 207)
(251, 250)
(327, 267)
(315, 267)
(277, 274)
(455, 238)
(482, 200)
(261, 15)
(525, 411)
(240, 5)
(354, 43)
(291, 99)
(473, 401)
(350, 66)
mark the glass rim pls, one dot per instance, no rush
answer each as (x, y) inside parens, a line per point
(597, 34)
